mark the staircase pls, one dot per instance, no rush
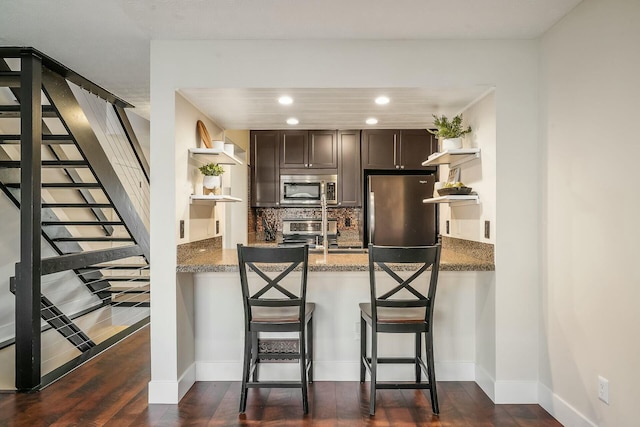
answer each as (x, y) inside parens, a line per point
(71, 164)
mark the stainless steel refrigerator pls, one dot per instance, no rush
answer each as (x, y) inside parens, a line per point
(395, 214)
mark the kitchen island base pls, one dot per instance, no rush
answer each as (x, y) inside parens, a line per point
(217, 323)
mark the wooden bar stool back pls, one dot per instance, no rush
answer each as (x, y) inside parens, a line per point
(286, 311)
(403, 309)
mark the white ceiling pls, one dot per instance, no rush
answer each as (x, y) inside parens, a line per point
(108, 42)
(409, 108)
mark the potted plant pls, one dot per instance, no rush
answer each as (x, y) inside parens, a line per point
(449, 132)
(211, 181)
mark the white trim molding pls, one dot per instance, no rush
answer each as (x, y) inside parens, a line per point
(516, 392)
(561, 410)
(486, 382)
(170, 392)
(509, 392)
(231, 370)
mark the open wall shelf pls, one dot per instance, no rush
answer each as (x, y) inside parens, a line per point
(212, 155)
(452, 157)
(211, 198)
(455, 200)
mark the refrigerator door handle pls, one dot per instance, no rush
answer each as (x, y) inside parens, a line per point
(372, 217)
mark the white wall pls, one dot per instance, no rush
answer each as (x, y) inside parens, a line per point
(590, 316)
(200, 218)
(467, 221)
(9, 255)
(510, 66)
(142, 128)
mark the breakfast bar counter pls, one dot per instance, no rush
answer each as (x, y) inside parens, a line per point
(209, 288)
(200, 259)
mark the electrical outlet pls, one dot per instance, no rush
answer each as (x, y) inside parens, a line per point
(447, 226)
(182, 228)
(486, 230)
(217, 227)
(603, 389)
(357, 331)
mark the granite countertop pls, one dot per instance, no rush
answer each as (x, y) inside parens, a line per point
(198, 258)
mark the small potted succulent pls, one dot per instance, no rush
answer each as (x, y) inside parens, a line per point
(212, 182)
(449, 132)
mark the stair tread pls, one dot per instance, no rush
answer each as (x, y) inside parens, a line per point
(77, 205)
(92, 239)
(130, 298)
(135, 289)
(52, 223)
(125, 278)
(117, 267)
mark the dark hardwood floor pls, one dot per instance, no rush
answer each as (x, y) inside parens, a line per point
(111, 390)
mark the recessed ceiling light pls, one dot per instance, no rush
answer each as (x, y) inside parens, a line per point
(382, 100)
(292, 121)
(285, 100)
(371, 121)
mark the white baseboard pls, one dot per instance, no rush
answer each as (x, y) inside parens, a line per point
(561, 410)
(516, 392)
(329, 371)
(510, 392)
(170, 392)
(187, 380)
(163, 392)
(486, 382)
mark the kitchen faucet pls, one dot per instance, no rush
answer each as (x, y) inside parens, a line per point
(323, 205)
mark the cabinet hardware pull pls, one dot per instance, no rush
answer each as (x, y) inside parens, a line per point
(394, 151)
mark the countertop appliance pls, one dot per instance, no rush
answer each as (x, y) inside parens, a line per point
(307, 189)
(301, 231)
(395, 214)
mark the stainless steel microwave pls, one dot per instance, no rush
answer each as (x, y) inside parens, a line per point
(307, 189)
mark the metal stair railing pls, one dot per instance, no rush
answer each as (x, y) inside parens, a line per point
(38, 75)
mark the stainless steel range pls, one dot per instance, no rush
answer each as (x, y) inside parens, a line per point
(301, 231)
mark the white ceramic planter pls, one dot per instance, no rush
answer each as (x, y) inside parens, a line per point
(451, 144)
(217, 145)
(211, 184)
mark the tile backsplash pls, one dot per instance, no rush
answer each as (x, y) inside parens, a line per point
(348, 218)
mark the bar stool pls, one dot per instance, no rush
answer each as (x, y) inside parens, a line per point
(390, 313)
(289, 312)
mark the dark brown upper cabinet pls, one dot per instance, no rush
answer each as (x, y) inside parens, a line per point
(415, 146)
(349, 176)
(308, 149)
(265, 173)
(396, 149)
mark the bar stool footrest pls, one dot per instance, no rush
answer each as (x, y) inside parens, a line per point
(279, 384)
(403, 386)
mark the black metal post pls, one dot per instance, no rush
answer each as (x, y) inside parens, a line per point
(28, 279)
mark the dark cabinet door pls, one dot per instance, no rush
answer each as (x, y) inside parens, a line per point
(301, 149)
(265, 173)
(415, 146)
(294, 149)
(323, 149)
(349, 171)
(379, 149)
